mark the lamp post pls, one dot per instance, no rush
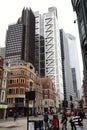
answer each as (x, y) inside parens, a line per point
(30, 95)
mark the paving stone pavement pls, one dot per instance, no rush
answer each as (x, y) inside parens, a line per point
(21, 123)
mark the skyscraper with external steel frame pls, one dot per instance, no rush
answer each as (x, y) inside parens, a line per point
(20, 39)
(47, 40)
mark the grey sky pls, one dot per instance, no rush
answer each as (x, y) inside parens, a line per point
(10, 11)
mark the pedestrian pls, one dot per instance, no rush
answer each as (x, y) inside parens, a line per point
(55, 122)
(80, 113)
(77, 121)
(64, 121)
(15, 116)
(46, 120)
(6, 116)
(72, 122)
(50, 125)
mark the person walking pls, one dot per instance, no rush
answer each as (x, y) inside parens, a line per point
(15, 116)
(55, 122)
(77, 121)
(6, 116)
(64, 121)
(46, 120)
(72, 122)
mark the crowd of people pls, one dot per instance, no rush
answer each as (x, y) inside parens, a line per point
(75, 121)
(51, 124)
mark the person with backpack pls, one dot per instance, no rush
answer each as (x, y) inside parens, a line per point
(46, 120)
(55, 122)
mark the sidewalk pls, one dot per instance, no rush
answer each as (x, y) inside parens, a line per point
(10, 123)
(21, 123)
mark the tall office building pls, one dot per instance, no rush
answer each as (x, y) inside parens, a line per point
(80, 7)
(67, 75)
(47, 36)
(74, 63)
(20, 39)
(39, 44)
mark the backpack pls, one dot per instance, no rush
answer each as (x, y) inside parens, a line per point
(55, 123)
(45, 118)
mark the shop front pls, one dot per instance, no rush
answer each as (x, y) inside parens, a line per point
(3, 108)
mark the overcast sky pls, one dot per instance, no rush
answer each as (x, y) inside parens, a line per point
(10, 11)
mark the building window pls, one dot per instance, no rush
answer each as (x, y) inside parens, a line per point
(31, 75)
(16, 90)
(10, 91)
(21, 91)
(46, 96)
(45, 91)
(10, 81)
(3, 94)
(10, 100)
(45, 102)
(31, 85)
(22, 81)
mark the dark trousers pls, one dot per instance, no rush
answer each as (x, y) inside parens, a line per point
(73, 127)
(64, 127)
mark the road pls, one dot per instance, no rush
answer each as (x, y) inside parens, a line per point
(21, 123)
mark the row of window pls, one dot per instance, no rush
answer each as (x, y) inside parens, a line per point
(21, 72)
(16, 91)
(17, 100)
(13, 81)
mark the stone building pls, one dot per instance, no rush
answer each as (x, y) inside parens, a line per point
(49, 96)
(22, 78)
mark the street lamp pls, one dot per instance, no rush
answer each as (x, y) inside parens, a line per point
(29, 95)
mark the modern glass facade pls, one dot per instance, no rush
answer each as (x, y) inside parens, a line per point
(74, 62)
(80, 7)
(39, 45)
(67, 74)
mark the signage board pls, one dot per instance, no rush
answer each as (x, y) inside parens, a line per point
(2, 106)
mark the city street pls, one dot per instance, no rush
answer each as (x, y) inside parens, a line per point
(21, 123)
